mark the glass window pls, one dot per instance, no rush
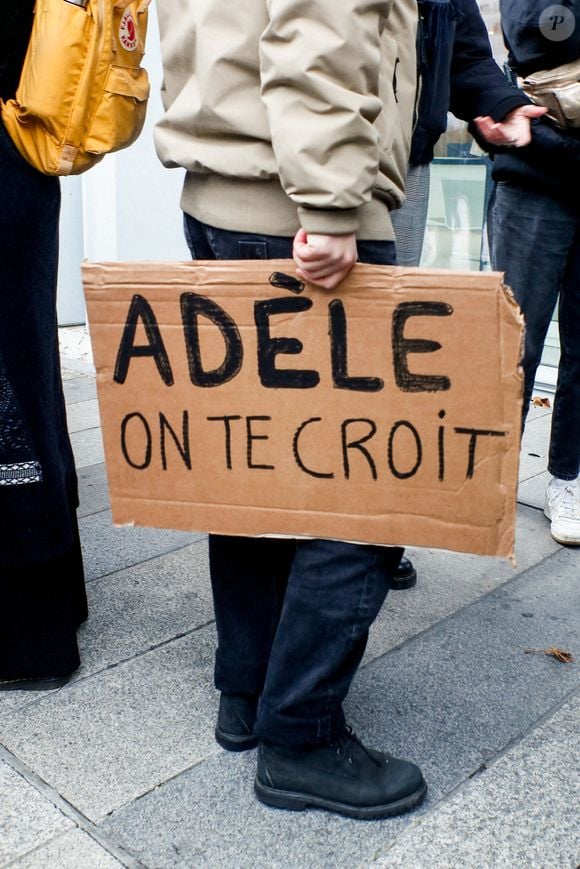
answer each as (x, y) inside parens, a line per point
(459, 184)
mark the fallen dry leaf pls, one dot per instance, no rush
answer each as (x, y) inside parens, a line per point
(537, 401)
(553, 652)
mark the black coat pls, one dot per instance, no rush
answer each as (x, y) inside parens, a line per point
(458, 72)
(552, 161)
(15, 27)
(37, 522)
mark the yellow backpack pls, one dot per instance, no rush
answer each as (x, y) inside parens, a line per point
(82, 92)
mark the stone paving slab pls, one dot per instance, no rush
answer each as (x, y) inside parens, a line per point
(134, 610)
(87, 447)
(449, 580)
(104, 741)
(532, 492)
(210, 818)
(534, 451)
(459, 693)
(519, 813)
(68, 373)
(79, 388)
(75, 345)
(74, 850)
(12, 700)
(451, 699)
(107, 549)
(93, 490)
(536, 412)
(26, 818)
(145, 606)
(83, 415)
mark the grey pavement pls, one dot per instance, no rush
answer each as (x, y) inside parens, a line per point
(120, 768)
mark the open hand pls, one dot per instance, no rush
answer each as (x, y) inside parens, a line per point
(515, 129)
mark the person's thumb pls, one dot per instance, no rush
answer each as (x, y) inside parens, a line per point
(301, 236)
(532, 111)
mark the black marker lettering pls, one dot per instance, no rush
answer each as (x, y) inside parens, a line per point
(357, 445)
(228, 434)
(269, 348)
(405, 379)
(182, 446)
(441, 446)
(404, 475)
(140, 466)
(286, 282)
(140, 309)
(339, 355)
(298, 457)
(192, 307)
(254, 437)
(474, 433)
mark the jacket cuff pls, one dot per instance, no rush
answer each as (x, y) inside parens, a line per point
(329, 221)
(508, 104)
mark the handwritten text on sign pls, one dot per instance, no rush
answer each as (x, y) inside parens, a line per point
(236, 400)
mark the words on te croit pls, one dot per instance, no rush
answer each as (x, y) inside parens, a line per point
(329, 386)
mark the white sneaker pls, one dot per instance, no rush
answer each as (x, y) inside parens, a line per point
(562, 507)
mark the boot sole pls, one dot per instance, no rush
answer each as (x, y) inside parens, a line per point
(402, 584)
(297, 802)
(48, 684)
(231, 742)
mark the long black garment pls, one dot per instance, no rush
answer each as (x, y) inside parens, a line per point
(15, 26)
(42, 598)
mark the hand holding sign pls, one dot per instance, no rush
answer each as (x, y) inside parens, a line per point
(324, 260)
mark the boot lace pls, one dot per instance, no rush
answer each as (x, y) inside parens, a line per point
(347, 745)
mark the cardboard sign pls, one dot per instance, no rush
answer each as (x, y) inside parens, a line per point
(236, 400)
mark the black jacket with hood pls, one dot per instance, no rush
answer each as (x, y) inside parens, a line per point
(552, 161)
(458, 73)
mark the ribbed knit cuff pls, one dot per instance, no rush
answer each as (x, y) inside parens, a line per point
(329, 221)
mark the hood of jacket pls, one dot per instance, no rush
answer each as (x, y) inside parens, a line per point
(539, 34)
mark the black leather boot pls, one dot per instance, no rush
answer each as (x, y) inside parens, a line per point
(405, 576)
(343, 777)
(235, 724)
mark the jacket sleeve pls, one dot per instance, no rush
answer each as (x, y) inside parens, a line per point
(320, 64)
(550, 142)
(478, 87)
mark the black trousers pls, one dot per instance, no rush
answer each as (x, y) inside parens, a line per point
(292, 616)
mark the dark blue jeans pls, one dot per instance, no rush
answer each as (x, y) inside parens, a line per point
(535, 239)
(292, 616)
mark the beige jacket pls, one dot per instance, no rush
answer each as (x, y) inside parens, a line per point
(289, 112)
